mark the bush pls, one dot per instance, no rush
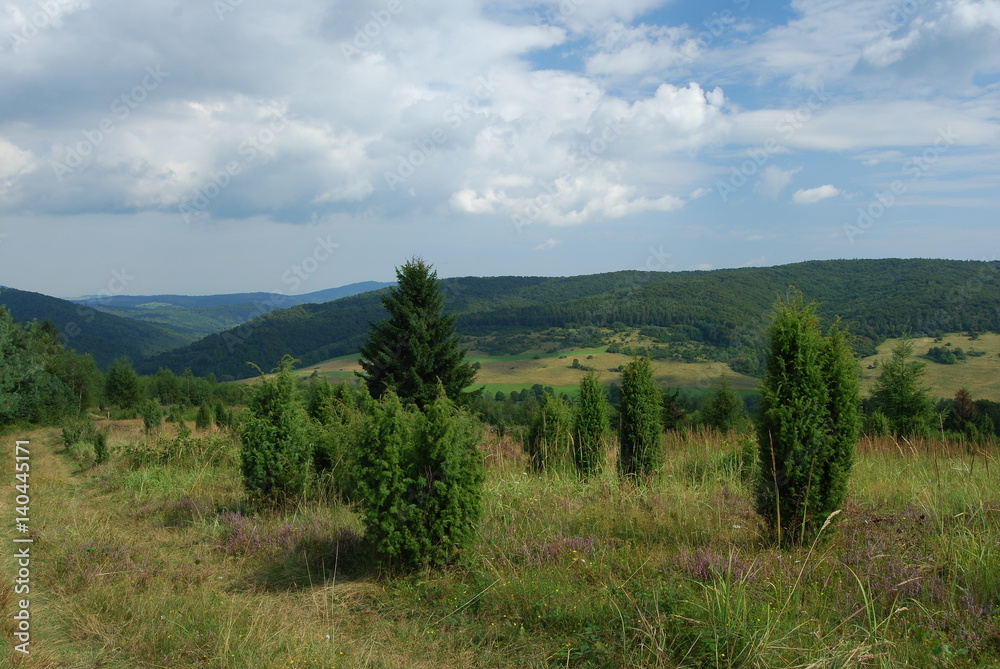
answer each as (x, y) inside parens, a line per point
(591, 426)
(419, 482)
(84, 441)
(550, 438)
(810, 420)
(876, 424)
(724, 409)
(640, 421)
(152, 415)
(275, 454)
(203, 420)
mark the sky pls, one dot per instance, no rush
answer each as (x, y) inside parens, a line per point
(228, 146)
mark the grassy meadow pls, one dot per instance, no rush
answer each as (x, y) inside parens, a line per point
(980, 374)
(515, 372)
(152, 560)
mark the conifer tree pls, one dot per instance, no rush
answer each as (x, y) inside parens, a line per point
(122, 386)
(416, 348)
(640, 426)
(449, 478)
(203, 419)
(591, 426)
(724, 409)
(383, 479)
(550, 436)
(810, 422)
(900, 394)
(275, 453)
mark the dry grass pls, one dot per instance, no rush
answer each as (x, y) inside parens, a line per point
(158, 564)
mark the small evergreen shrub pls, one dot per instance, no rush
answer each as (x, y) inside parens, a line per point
(419, 482)
(204, 419)
(549, 441)
(810, 422)
(640, 425)
(591, 426)
(275, 454)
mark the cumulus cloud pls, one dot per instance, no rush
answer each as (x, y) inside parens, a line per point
(547, 244)
(814, 195)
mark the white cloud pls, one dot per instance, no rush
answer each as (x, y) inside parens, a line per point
(547, 244)
(814, 195)
(624, 51)
(773, 180)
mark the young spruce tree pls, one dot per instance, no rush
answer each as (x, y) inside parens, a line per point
(810, 422)
(899, 393)
(640, 427)
(417, 347)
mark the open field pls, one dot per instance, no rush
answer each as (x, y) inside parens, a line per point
(515, 372)
(152, 560)
(980, 375)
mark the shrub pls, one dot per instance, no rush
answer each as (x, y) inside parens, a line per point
(419, 482)
(591, 426)
(275, 453)
(550, 438)
(724, 409)
(152, 415)
(810, 420)
(640, 422)
(203, 420)
(448, 478)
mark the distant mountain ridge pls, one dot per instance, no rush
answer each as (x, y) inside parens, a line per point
(229, 299)
(193, 317)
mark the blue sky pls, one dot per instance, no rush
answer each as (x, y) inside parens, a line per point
(235, 145)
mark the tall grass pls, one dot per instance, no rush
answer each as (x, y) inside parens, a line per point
(152, 560)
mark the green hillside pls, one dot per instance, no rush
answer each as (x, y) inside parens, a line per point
(86, 330)
(701, 316)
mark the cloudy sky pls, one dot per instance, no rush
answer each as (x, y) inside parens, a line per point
(175, 146)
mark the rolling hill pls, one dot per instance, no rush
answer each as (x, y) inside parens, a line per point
(717, 314)
(86, 330)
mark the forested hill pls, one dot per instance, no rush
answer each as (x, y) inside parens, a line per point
(724, 309)
(87, 330)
